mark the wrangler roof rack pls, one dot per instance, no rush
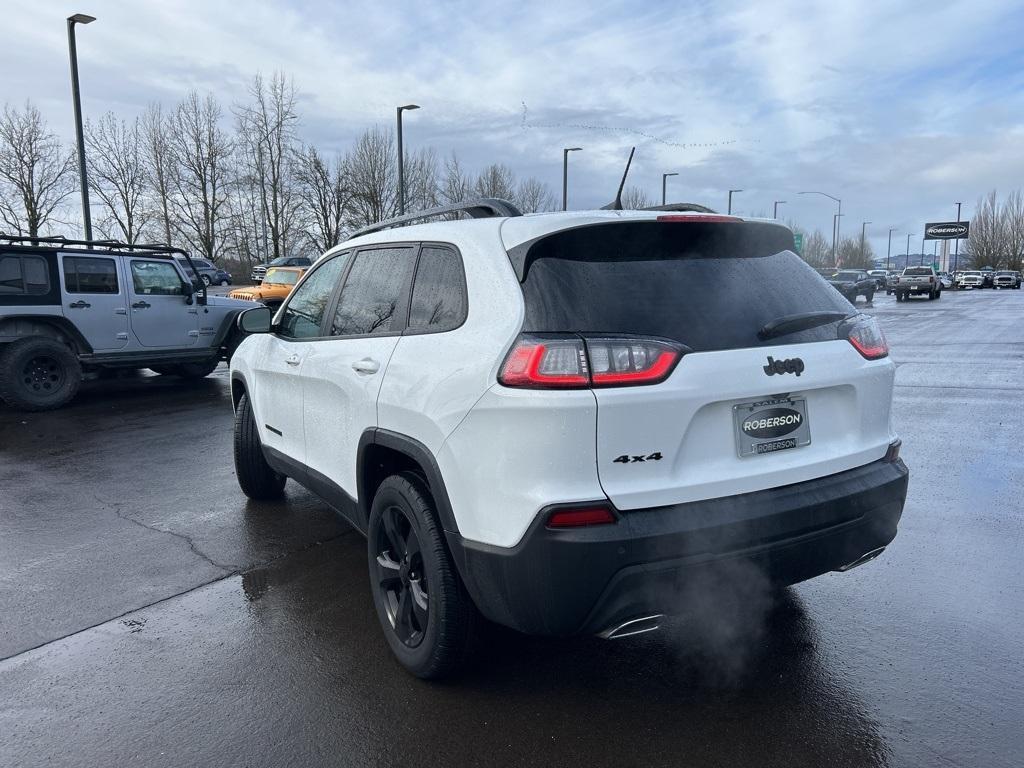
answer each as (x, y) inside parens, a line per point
(481, 208)
(109, 245)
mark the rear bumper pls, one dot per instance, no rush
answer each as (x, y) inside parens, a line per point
(563, 582)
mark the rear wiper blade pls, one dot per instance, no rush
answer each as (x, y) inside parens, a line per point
(798, 322)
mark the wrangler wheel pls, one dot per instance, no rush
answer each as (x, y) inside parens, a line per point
(38, 374)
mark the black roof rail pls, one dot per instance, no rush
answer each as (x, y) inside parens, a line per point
(681, 208)
(481, 208)
(104, 244)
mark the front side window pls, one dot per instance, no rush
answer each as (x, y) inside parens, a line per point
(88, 275)
(373, 291)
(305, 310)
(439, 293)
(156, 278)
(24, 275)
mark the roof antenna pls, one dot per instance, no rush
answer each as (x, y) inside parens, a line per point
(616, 204)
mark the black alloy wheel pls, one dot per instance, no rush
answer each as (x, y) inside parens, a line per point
(43, 374)
(401, 580)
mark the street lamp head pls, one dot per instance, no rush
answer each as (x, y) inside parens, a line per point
(572, 149)
(410, 107)
(81, 18)
(735, 190)
(670, 174)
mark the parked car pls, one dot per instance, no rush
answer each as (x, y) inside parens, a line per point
(503, 406)
(853, 283)
(1006, 278)
(892, 277)
(260, 270)
(881, 278)
(945, 279)
(74, 306)
(274, 289)
(970, 278)
(918, 281)
(206, 271)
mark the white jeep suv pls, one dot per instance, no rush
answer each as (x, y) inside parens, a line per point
(558, 421)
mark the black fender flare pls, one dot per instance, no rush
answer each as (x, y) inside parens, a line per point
(419, 453)
(58, 322)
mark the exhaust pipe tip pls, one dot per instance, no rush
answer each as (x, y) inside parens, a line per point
(867, 557)
(632, 627)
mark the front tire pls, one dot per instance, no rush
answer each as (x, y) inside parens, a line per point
(869, 296)
(255, 477)
(38, 374)
(224, 282)
(428, 619)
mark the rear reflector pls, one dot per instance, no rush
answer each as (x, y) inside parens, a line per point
(867, 338)
(575, 362)
(581, 517)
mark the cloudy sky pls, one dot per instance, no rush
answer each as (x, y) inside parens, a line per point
(900, 109)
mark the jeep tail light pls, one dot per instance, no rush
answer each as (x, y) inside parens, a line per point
(868, 339)
(574, 362)
(581, 517)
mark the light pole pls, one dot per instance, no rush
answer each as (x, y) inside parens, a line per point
(888, 251)
(665, 176)
(401, 159)
(907, 264)
(863, 227)
(565, 175)
(76, 99)
(835, 229)
(921, 262)
(775, 211)
(835, 219)
(956, 254)
(731, 191)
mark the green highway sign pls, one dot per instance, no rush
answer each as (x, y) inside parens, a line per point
(798, 243)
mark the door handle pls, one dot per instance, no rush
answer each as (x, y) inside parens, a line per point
(140, 305)
(293, 360)
(366, 365)
(80, 304)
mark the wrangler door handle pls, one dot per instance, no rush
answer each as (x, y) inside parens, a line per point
(80, 304)
(141, 305)
(293, 360)
(366, 365)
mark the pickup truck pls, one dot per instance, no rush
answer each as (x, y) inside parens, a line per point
(918, 281)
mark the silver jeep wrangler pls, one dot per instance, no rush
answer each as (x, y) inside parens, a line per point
(69, 307)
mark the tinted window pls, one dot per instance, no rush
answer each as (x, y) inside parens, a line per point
(709, 286)
(372, 293)
(156, 278)
(25, 275)
(83, 275)
(305, 311)
(439, 295)
(10, 275)
(917, 271)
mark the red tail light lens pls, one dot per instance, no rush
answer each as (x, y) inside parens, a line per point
(572, 362)
(543, 363)
(581, 517)
(868, 339)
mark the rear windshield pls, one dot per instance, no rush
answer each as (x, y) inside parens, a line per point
(917, 271)
(709, 286)
(847, 276)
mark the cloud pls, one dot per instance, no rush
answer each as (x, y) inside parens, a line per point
(900, 109)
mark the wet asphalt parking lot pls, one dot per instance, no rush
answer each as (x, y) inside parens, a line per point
(150, 615)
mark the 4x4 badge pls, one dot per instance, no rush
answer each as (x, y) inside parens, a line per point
(793, 365)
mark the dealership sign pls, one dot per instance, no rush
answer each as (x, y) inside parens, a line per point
(947, 230)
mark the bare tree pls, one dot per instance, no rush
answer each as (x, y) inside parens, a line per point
(634, 198)
(36, 172)
(422, 180)
(817, 250)
(456, 186)
(267, 147)
(158, 154)
(373, 178)
(533, 195)
(496, 180)
(985, 246)
(117, 175)
(325, 195)
(202, 152)
(1012, 215)
(852, 257)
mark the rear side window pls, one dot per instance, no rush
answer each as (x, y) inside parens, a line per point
(82, 275)
(439, 292)
(373, 293)
(710, 286)
(23, 275)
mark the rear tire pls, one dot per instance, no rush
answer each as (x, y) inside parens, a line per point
(428, 618)
(206, 280)
(38, 374)
(255, 477)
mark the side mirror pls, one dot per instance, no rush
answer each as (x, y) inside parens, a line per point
(255, 320)
(187, 289)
